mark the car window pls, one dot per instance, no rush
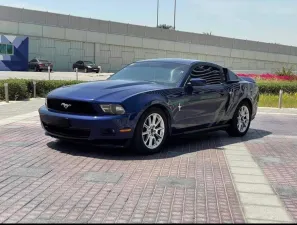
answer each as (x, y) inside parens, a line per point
(232, 76)
(211, 74)
(33, 60)
(88, 63)
(169, 74)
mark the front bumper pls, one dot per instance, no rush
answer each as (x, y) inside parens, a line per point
(93, 69)
(101, 130)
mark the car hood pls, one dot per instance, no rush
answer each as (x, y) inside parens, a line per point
(104, 91)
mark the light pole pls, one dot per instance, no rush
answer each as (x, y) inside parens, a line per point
(174, 13)
(157, 13)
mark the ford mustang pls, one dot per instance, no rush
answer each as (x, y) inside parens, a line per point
(150, 100)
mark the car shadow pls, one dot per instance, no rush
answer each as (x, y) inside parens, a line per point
(177, 146)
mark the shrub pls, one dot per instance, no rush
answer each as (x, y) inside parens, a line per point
(285, 71)
(43, 87)
(20, 89)
(273, 87)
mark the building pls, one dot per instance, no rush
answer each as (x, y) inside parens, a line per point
(65, 39)
(14, 53)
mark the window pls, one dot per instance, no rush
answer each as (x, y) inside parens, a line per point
(6, 49)
(166, 73)
(211, 74)
(232, 76)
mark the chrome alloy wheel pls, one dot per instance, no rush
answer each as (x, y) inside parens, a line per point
(153, 131)
(243, 119)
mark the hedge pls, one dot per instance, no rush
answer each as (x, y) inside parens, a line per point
(273, 87)
(20, 89)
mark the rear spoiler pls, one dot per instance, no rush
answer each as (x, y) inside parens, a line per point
(248, 79)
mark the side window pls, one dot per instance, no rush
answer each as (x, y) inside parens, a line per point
(211, 74)
(232, 76)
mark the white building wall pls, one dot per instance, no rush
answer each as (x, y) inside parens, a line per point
(66, 39)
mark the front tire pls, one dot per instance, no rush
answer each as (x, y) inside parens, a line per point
(151, 132)
(241, 121)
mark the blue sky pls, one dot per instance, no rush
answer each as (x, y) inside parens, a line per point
(271, 21)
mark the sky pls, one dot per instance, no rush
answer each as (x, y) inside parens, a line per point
(272, 21)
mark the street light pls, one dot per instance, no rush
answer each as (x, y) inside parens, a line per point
(157, 13)
(174, 13)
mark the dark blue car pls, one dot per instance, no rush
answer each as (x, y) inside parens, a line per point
(150, 100)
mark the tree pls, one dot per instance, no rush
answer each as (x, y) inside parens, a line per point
(165, 26)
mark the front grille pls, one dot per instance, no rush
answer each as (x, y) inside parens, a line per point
(76, 107)
(67, 132)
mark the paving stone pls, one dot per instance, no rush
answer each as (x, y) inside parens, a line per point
(268, 160)
(246, 171)
(237, 152)
(102, 177)
(243, 164)
(29, 172)
(250, 179)
(243, 158)
(254, 188)
(17, 144)
(259, 199)
(267, 213)
(265, 221)
(286, 190)
(176, 182)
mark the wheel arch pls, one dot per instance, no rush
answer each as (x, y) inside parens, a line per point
(249, 102)
(164, 109)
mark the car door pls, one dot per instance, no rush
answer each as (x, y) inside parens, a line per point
(205, 104)
(81, 65)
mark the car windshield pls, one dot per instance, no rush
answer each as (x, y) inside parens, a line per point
(166, 73)
(88, 63)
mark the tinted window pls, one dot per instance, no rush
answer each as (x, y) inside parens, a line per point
(6, 49)
(211, 74)
(88, 63)
(43, 61)
(166, 73)
(232, 76)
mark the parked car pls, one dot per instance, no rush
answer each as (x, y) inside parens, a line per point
(150, 100)
(40, 64)
(86, 66)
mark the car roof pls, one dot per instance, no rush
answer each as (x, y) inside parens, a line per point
(173, 60)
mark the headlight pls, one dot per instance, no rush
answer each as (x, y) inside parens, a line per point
(89, 67)
(113, 109)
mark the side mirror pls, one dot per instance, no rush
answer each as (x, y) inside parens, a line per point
(197, 82)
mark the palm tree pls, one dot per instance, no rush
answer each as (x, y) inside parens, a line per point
(165, 26)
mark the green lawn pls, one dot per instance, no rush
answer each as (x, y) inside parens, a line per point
(268, 100)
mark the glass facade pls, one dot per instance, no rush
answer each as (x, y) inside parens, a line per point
(6, 49)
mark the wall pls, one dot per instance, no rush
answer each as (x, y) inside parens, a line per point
(18, 60)
(65, 39)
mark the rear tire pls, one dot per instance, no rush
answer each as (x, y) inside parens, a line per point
(241, 120)
(151, 132)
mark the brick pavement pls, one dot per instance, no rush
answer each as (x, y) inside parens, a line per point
(205, 179)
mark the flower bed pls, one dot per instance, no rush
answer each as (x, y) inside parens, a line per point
(269, 76)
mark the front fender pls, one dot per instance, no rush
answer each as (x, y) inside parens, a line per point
(137, 105)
